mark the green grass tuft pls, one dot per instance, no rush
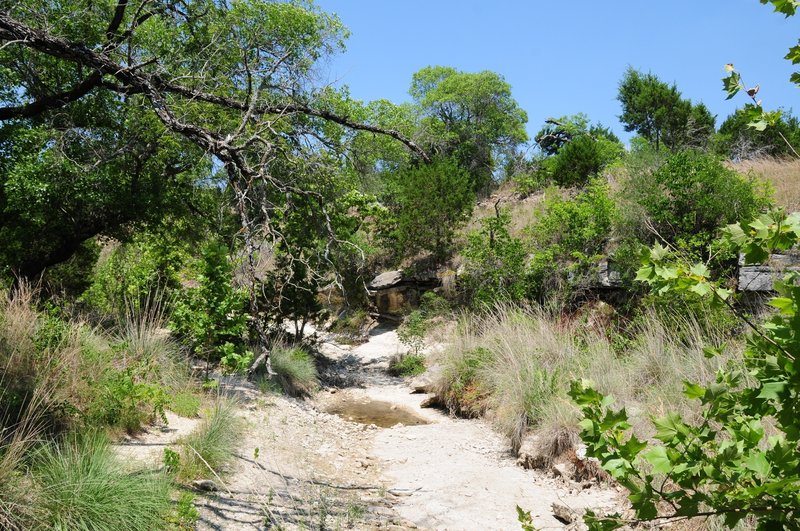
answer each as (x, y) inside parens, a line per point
(295, 371)
(185, 403)
(85, 487)
(209, 448)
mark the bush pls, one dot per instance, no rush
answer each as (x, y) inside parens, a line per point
(213, 314)
(494, 264)
(581, 159)
(124, 400)
(295, 371)
(412, 331)
(209, 449)
(85, 487)
(407, 365)
(684, 200)
(568, 240)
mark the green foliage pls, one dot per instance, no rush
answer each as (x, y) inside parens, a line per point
(233, 360)
(568, 240)
(412, 332)
(741, 459)
(657, 112)
(125, 400)
(407, 365)
(295, 370)
(464, 393)
(171, 459)
(88, 488)
(472, 116)
(184, 403)
(213, 314)
(738, 139)
(430, 202)
(135, 271)
(210, 448)
(686, 198)
(185, 514)
(495, 268)
(525, 519)
(575, 151)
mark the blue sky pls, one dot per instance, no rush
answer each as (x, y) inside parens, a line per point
(564, 57)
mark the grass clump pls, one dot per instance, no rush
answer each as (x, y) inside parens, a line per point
(514, 364)
(295, 371)
(185, 403)
(407, 365)
(84, 487)
(209, 449)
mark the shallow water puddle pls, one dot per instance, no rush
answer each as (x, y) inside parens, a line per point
(377, 412)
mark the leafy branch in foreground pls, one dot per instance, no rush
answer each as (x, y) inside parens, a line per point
(743, 458)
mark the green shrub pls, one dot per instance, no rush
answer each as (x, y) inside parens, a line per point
(568, 240)
(684, 199)
(209, 449)
(407, 365)
(185, 514)
(412, 331)
(495, 264)
(126, 401)
(581, 159)
(295, 370)
(130, 273)
(213, 314)
(85, 487)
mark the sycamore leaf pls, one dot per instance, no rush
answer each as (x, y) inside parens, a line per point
(657, 456)
(693, 391)
(772, 390)
(758, 463)
(794, 54)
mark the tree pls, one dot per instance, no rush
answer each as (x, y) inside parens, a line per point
(738, 140)
(470, 116)
(657, 112)
(431, 201)
(163, 84)
(574, 151)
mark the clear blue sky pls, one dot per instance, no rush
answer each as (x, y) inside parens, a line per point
(564, 57)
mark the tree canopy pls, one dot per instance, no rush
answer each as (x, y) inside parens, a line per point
(656, 111)
(471, 116)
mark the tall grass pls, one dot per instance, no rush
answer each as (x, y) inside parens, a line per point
(782, 174)
(55, 373)
(295, 370)
(84, 487)
(515, 364)
(209, 449)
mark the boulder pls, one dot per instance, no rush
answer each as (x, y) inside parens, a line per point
(386, 280)
(425, 382)
(762, 277)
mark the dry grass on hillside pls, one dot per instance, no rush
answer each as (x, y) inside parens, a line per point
(784, 175)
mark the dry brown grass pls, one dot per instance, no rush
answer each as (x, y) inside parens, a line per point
(515, 365)
(782, 174)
